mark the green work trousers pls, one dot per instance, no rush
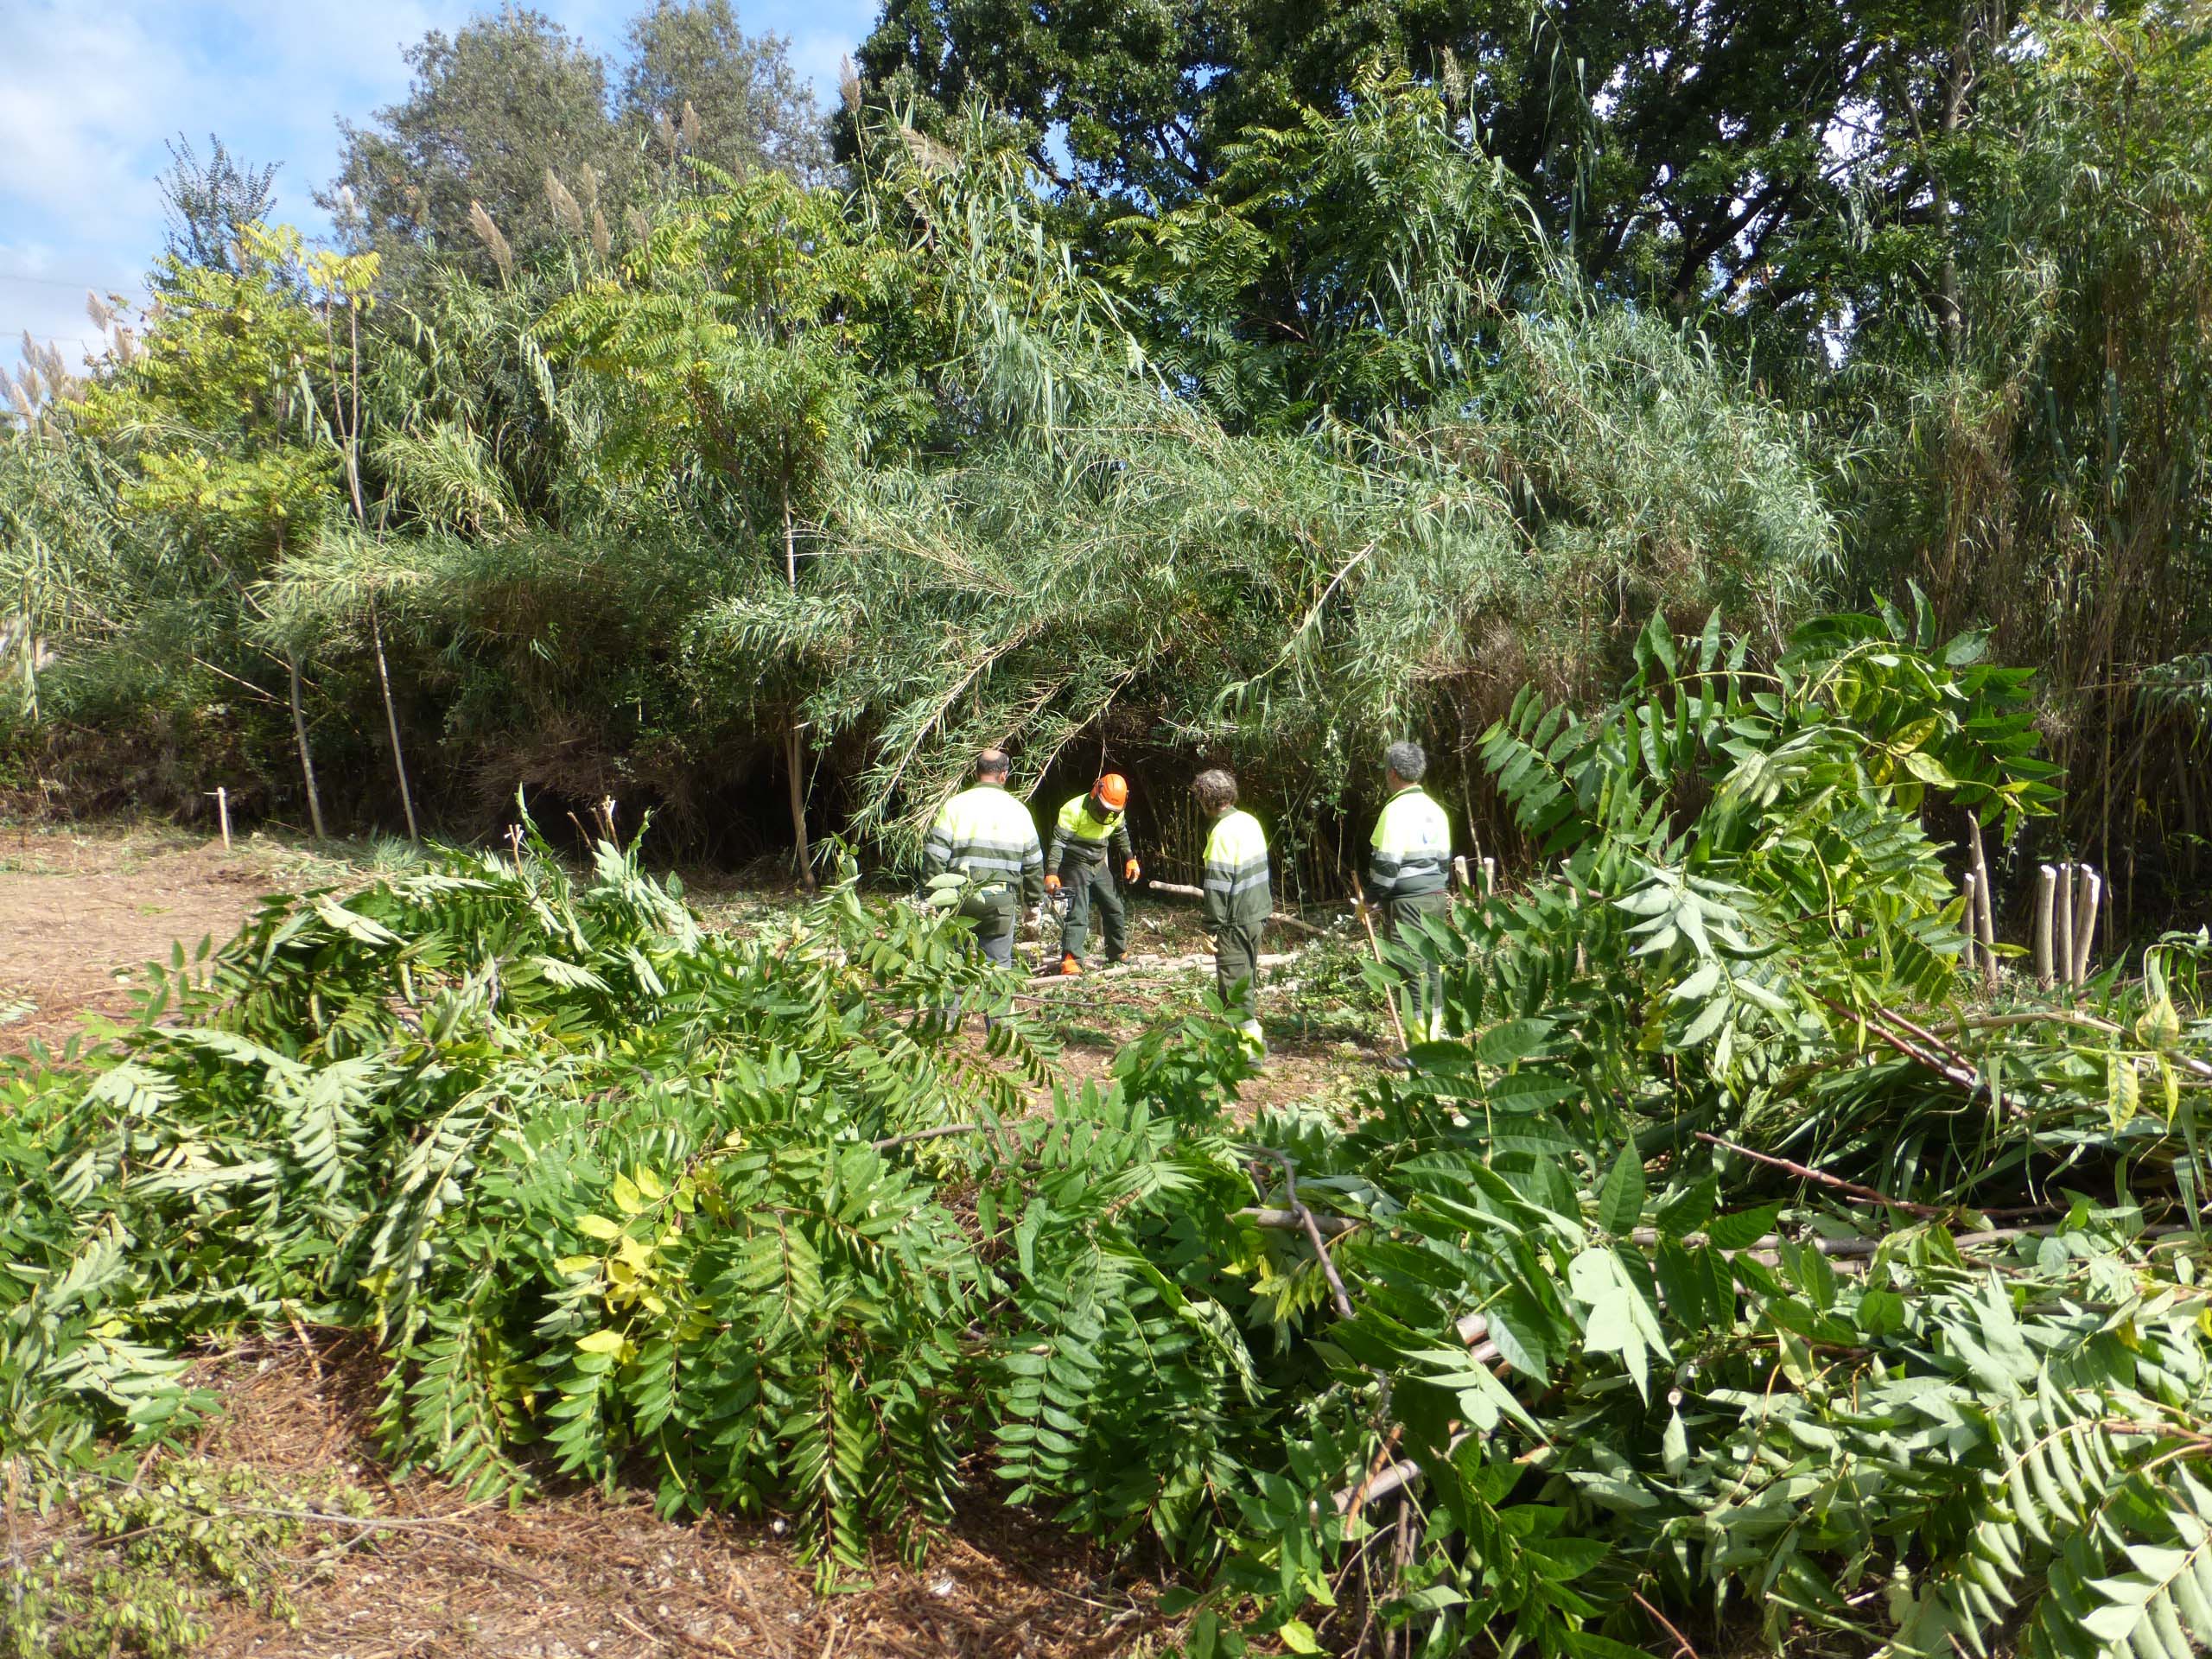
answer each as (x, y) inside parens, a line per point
(1088, 884)
(1237, 976)
(1423, 1002)
(996, 914)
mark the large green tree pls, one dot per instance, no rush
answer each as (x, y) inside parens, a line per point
(514, 114)
(749, 108)
(493, 105)
(1676, 146)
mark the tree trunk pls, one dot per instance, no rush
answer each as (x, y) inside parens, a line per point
(307, 756)
(800, 849)
(391, 722)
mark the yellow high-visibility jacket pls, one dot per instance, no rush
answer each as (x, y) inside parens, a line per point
(1412, 852)
(1080, 836)
(1236, 873)
(988, 835)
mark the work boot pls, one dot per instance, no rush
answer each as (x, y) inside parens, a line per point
(1068, 966)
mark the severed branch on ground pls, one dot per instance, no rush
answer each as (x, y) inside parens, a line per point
(1283, 917)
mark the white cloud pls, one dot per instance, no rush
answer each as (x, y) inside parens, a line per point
(42, 294)
(80, 102)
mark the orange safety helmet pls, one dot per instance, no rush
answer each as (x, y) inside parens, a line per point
(1112, 789)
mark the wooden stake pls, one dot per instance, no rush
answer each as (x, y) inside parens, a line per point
(2085, 922)
(1970, 958)
(2064, 907)
(2046, 892)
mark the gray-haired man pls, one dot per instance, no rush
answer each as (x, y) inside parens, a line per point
(1408, 871)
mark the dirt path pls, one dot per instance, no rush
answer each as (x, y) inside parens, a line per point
(81, 915)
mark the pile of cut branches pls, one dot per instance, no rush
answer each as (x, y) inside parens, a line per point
(1724, 1263)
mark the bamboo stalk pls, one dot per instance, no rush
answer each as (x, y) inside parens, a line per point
(2046, 892)
(2065, 910)
(805, 853)
(223, 812)
(2085, 922)
(801, 849)
(1969, 958)
(1375, 945)
(1987, 912)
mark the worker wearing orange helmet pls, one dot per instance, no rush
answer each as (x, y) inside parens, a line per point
(1088, 837)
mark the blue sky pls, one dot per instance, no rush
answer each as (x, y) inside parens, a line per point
(89, 90)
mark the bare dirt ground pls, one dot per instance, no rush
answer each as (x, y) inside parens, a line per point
(81, 913)
(571, 1574)
(414, 1569)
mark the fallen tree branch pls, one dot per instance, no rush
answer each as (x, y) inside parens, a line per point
(1968, 1080)
(2069, 1017)
(1286, 1219)
(1131, 967)
(1281, 915)
(1312, 1229)
(1822, 1177)
(1682, 1648)
(1767, 1245)
(939, 1133)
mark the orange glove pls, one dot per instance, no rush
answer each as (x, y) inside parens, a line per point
(1129, 870)
(1051, 884)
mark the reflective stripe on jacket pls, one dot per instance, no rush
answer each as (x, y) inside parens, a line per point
(1413, 846)
(1236, 873)
(988, 835)
(1081, 835)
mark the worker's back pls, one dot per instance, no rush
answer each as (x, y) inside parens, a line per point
(1412, 854)
(988, 835)
(1237, 872)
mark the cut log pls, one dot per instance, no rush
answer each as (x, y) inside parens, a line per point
(1137, 967)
